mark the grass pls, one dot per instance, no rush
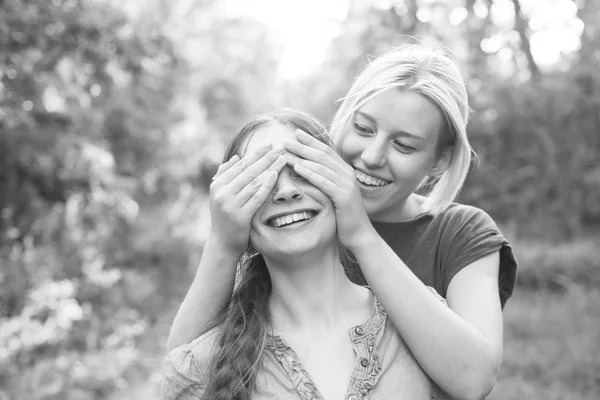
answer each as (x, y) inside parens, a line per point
(559, 267)
(552, 324)
(551, 347)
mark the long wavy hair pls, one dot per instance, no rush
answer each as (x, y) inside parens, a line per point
(244, 325)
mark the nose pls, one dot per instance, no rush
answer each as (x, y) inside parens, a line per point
(374, 155)
(286, 188)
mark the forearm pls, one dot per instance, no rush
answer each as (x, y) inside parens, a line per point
(461, 359)
(207, 296)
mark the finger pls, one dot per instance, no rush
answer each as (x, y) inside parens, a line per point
(247, 160)
(271, 161)
(244, 194)
(313, 142)
(328, 158)
(321, 170)
(325, 185)
(304, 155)
(292, 159)
(261, 195)
(225, 166)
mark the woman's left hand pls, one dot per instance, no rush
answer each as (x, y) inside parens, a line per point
(323, 167)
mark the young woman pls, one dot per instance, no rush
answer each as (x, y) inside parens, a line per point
(297, 327)
(401, 132)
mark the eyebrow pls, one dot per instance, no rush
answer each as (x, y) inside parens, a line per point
(395, 132)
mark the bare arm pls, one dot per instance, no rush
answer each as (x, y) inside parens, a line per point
(458, 346)
(207, 296)
(238, 190)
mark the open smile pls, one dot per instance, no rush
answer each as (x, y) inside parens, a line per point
(369, 180)
(291, 219)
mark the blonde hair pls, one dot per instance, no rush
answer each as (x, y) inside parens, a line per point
(434, 74)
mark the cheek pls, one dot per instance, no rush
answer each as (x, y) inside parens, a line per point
(350, 146)
(332, 221)
(408, 167)
(255, 238)
(399, 164)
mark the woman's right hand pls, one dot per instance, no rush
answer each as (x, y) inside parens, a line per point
(238, 190)
(323, 167)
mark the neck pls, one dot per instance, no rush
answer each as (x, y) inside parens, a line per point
(403, 211)
(312, 290)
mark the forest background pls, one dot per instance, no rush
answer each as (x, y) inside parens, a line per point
(114, 116)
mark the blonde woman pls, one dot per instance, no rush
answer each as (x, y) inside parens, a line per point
(404, 156)
(296, 327)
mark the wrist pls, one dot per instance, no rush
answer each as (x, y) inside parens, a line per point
(223, 248)
(364, 239)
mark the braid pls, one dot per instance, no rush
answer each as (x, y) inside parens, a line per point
(243, 335)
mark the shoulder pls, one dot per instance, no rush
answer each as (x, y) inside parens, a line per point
(186, 369)
(194, 356)
(468, 234)
(458, 214)
(460, 221)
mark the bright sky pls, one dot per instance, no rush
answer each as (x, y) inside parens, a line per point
(554, 28)
(303, 28)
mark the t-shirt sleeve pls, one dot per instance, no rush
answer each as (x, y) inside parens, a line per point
(186, 369)
(470, 234)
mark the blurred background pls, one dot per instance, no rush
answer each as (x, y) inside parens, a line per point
(114, 115)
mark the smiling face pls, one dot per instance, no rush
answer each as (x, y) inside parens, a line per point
(392, 143)
(297, 217)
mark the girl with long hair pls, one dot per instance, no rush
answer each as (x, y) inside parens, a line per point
(296, 327)
(403, 157)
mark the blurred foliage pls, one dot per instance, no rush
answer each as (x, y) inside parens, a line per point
(537, 134)
(113, 119)
(101, 166)
(549, 344)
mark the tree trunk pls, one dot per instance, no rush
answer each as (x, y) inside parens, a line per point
(476, 32)
(411, 27)
(521, 23)
(587, 75)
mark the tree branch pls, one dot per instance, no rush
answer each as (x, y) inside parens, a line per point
(521, 27)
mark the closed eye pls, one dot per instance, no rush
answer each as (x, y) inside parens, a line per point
(362, 130)
(403, 147)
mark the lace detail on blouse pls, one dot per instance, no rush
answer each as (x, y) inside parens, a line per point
(366, 337)
(367, 366)
(288, 359)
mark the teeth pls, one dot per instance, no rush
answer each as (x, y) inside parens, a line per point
(369, 180)
(291, 218)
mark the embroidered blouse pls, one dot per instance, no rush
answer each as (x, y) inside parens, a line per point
(384, 368)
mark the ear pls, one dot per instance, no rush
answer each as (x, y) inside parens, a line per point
(442, 163)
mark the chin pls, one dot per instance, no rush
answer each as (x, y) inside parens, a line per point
(373, 208)
(294, 247)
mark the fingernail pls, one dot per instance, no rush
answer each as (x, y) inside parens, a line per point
(267, 145)
(301, 132)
